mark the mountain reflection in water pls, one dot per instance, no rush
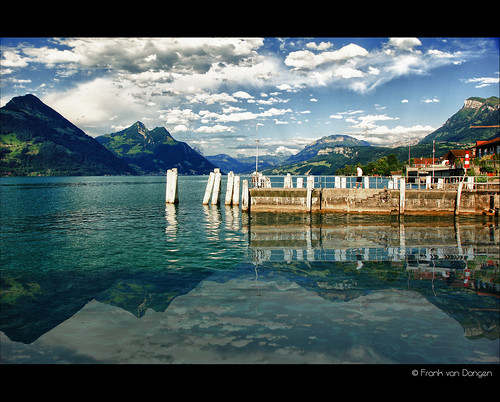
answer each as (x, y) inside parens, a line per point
(211, 284)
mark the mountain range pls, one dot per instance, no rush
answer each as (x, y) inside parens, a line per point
(37, 140)
(477, 120)
(154, 151)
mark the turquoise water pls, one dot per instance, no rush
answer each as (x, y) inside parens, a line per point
(99, 270)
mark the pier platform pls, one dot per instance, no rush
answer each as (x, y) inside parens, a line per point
(375, 201)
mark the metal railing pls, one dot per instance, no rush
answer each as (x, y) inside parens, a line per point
(376, 182)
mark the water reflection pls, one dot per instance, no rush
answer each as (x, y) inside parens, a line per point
(271, 288)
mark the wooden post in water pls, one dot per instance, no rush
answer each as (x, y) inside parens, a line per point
(208, 190)
(229, 189)
(172, 196)
(245, 196)
(288, 181)
(217, 187)
(236, 190)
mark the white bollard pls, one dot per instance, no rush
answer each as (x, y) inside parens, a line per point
(402, 195)
(300, 182)
(245, 196)
(172, 196)
(236, 190)
(288, 181)
(217, 188)
(229, 189)
(310, 182)
(208, 190)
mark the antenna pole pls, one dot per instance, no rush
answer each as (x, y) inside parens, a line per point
(257, 150)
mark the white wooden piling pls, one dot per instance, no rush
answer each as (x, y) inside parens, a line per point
(288, 181)
(236, 190)
(229, 189)
(245, 196)
(172, 196)
(300, 182)
(208, 190)
(402, 196)
(217, 188)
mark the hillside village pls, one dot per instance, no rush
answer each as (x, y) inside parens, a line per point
(481, 159)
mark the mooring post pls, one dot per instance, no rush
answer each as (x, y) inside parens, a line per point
(236, 190)
(310, 181)
(459, 195)
(208, 190)
(245, 196)
(402, 189)
(172, 196)
(217, 187)
(288, 181)
(229, 189)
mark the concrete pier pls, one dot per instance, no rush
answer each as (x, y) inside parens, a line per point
(400, 201)
(172, 196)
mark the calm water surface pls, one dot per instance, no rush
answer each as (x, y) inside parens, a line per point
(98, 270)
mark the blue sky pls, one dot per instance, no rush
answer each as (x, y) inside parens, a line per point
(217, 94)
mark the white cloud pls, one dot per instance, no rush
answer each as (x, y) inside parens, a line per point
(482, 81)
(322, 46)
(242, 95)
(428, 100)
(282, 150)
(180, 127)
(307, 60)
(211, 98)
(404, 100)
(92, 104)
(382, 135)
(404, 43)
(218, 128)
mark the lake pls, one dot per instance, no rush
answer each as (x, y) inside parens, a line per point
(100, 270)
